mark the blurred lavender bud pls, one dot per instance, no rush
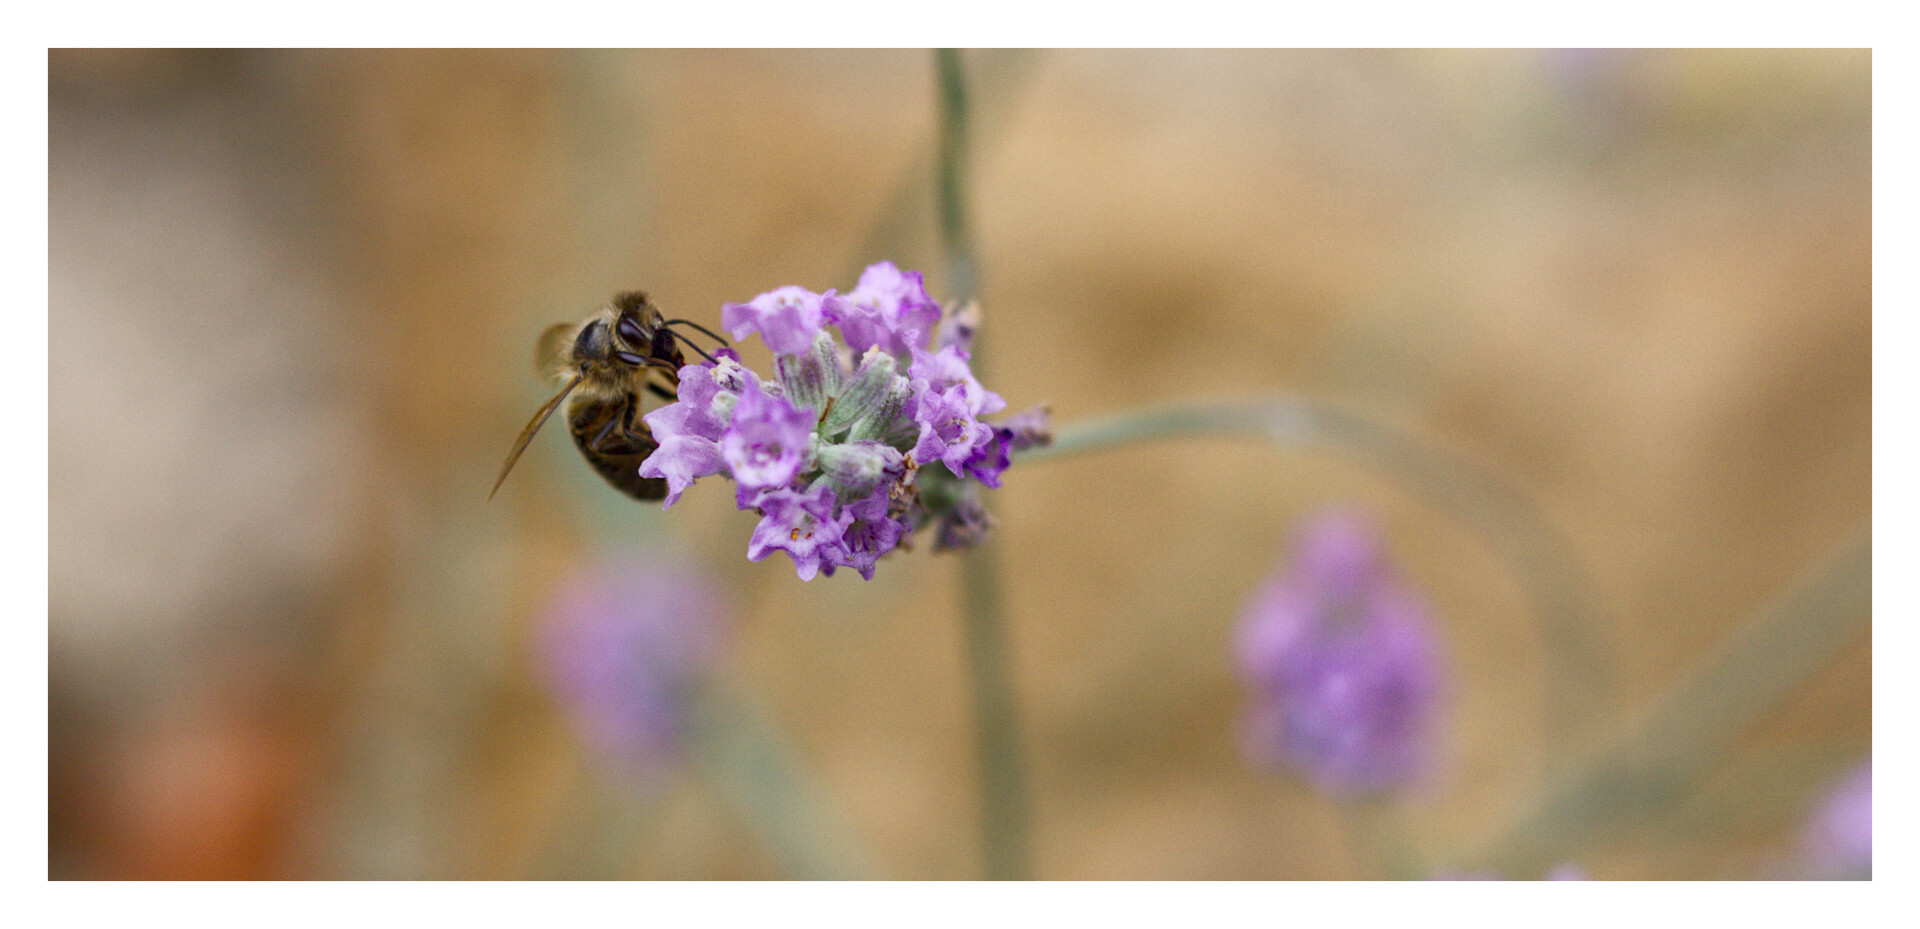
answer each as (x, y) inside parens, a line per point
(964, 523)
(623, 644)
(856, 469)
(1029, 428)
(1346, 675)
(957, 330)
(1837, 843)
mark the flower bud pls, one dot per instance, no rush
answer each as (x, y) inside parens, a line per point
(864, 395)
(856, 469)
(809, 379)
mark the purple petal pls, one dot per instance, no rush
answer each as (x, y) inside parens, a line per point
(787, 319)
(684, 453)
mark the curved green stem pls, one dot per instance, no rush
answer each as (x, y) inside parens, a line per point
(743, 756)
(1544, 563)
(1648, 765)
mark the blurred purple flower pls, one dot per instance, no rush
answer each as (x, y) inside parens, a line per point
(962, 524)
(623, 644)
(1346, 675)
(1028, 428)
(1838, 841)
(1568, 871)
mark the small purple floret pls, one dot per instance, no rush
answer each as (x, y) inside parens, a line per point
(1029, 428)
(964, 524)
(949, 432)
(889, 309)
(872, 532)
(947, 367)
(766, 444)
(802, 524)
(787, 319)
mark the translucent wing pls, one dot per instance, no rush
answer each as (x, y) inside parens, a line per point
(554, 351)
(533, 426)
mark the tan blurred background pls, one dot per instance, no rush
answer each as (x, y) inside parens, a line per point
(294, 296)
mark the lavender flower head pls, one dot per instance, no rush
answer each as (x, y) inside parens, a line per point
(1343, 664)
(855, 443)
(1838, 841)
(623, 644)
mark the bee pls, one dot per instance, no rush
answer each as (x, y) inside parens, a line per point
(607, 362)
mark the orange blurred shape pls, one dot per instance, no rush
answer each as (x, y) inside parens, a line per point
(206, 797)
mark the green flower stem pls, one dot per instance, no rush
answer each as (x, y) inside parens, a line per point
(1543, 561)
(1003, 805)
(996, 79)
(737, 749)
(592, 833)
(1004, 811)
(956, 230)
(1647, 767)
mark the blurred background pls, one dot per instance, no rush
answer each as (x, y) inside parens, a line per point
(294, 297)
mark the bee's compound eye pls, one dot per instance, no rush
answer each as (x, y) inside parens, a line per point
(631, 331)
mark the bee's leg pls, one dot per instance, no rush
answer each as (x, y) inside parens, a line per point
(661, 392)
(599, 441)
(638, 434)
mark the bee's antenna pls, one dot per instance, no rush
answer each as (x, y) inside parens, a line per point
(683, 340)
(689, 322)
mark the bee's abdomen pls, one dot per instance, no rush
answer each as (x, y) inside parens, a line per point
(623, 472)
(615, 440)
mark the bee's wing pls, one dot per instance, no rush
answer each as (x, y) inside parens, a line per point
(555, 349)
(526, 435)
